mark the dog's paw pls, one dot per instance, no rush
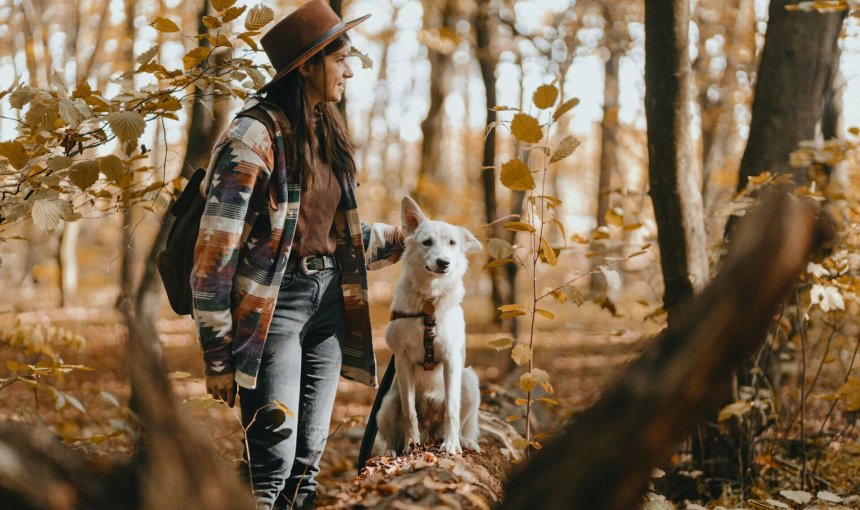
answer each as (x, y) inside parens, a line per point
(470, 444)
(388, 453)
(452, 446)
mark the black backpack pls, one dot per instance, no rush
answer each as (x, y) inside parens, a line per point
(176, 260)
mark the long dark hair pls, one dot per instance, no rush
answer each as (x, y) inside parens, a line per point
(317, 132)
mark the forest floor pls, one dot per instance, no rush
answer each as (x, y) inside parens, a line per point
(581, 356)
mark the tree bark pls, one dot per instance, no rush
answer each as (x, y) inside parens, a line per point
(437, 16)
(608, 130)
(427, 479)
(797, 65)
(604, 458)
(675, 183)
(487, 62)
(208, 118)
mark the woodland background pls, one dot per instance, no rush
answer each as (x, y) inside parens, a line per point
(648, 150)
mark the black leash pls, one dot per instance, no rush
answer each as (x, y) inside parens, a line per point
(370, 430)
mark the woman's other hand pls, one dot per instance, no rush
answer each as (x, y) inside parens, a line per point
(222, 387)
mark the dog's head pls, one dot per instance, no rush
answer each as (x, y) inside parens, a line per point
(439, 245)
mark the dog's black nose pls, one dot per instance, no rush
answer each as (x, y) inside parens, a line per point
(442, 263)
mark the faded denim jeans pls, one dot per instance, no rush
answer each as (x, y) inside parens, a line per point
(300, 369)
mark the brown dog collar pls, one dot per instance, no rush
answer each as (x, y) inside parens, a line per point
(428, 313)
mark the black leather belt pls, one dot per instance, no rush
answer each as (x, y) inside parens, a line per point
(311, 264)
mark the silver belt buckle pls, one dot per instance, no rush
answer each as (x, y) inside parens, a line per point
(304, 263)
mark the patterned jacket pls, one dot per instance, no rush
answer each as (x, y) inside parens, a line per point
(244, 243)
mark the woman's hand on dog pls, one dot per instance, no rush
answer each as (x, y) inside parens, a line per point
(222, 387)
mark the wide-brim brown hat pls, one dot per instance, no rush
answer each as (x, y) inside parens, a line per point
(300, 35)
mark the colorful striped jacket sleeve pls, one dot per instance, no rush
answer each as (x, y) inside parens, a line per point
(237, 190)
(382, 244)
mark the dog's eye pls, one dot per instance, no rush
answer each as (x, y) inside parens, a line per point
(452, 242)
(427, 242)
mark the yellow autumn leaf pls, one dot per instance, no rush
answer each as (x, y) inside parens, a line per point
(521, 354)
(545, 313)
(526, 128)
(232, 13)
(508, 308)
(527, 382)
(259, 16)
(164, 25)
(548, 252)
(284, 408)
(519, 226)
(565, 148)
(564, 108)
(195, 56)
(511, 314)
(614, 216)
(127, 126)
(515, 175)
(501, 344)
(220, 5)
(545, 96)
(497, 262)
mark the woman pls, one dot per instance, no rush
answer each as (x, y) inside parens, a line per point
(280, 275)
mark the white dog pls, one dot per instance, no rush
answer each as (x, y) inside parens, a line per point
(433, 395)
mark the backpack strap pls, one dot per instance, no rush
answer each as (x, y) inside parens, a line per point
(257, 113)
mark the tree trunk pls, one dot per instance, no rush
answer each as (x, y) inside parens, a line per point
(675, 183)
(487, 62)
(438, 16)
(800, 51)
(603, 460)
(208, 118)
(608, 143)
(68, 263)
(126, 273)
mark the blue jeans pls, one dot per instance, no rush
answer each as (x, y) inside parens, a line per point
(300, 369)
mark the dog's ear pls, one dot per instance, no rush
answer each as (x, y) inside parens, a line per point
(470, 242)
(411, 215)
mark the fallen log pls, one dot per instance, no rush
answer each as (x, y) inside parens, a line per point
(604, 458)
(426, 478)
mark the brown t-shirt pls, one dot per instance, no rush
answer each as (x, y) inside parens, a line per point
(315, 234)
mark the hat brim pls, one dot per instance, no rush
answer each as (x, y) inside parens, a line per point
(312, 51)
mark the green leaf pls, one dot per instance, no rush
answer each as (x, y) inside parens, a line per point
(516, 176)
(501, 344)
(526, 128)
(545, 96)
(259, 16)
(84, 174)
(565, 148)
(521, 354)
(164, 25)
(46, 214)
(564, 108)
(127, 126)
